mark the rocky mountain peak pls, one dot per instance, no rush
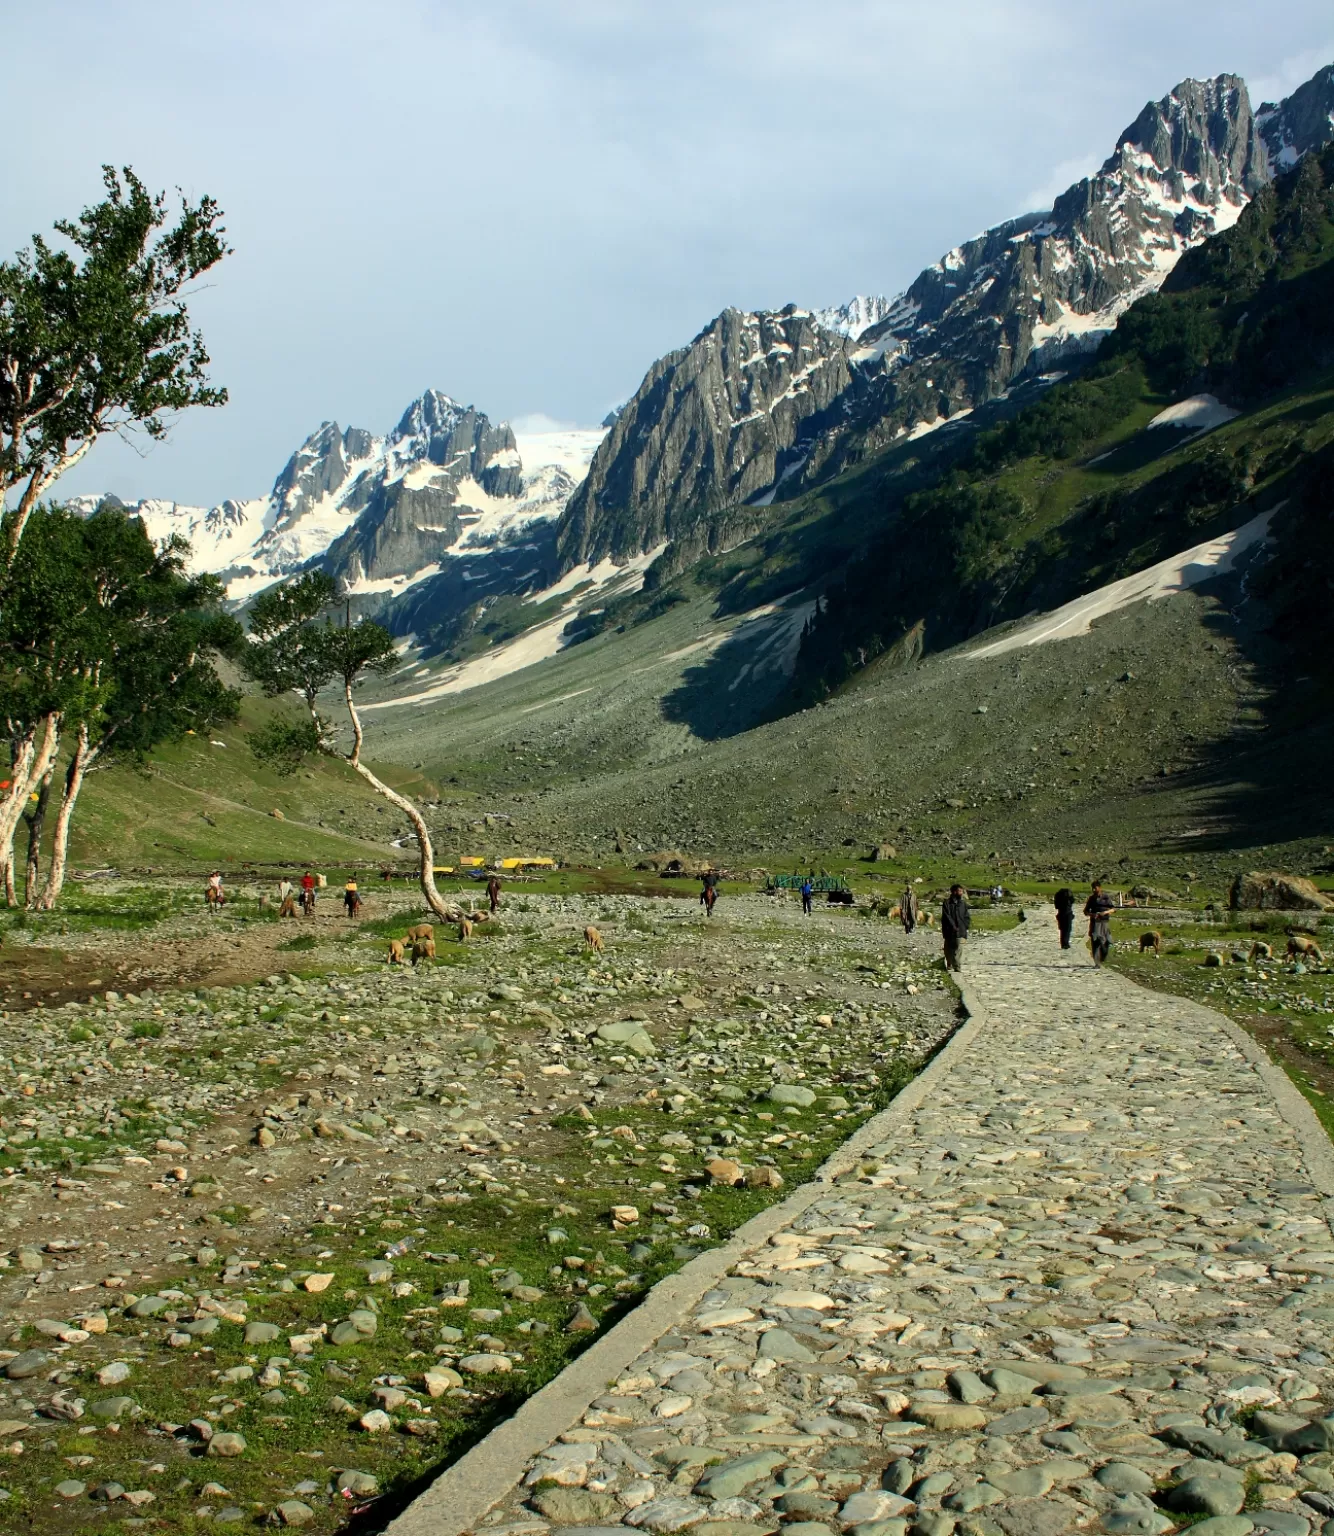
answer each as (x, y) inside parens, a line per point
(762, 405)
(712, 425)
(1203, 139)
(1303, 122)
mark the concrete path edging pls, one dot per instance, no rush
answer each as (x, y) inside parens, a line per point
(1317, 1149)
(464, 1492)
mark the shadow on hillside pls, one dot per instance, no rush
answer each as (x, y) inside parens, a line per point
(1268, 780)
(730, 689)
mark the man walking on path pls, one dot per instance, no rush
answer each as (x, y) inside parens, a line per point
(955, 920)
(807, 890)
(908, 909)
(493, 892)
(1064, 902)
(1098, 909)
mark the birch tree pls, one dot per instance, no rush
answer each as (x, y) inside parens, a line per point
(126, 647)
(296, 647)
(95, 338)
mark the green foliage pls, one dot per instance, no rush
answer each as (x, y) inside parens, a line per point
(95, 335)
(295, 646)
(147, 1029)
(284, 745)
(1064, 422)
(109, 631)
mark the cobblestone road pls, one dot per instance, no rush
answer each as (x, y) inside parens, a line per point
(1088, 1284)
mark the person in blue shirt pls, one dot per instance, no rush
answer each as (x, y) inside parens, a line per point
(807, 891)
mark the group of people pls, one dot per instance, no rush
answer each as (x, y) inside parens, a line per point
(1098, 909)
(956, 920)
(287, 896)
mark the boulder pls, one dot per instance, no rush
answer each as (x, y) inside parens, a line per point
(1270, 891)
(882, 853)
(790, 1093)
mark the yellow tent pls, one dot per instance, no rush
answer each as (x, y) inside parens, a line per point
(470, 861)
(528, 863)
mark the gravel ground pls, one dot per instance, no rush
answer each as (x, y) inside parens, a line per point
(291, 1243)
(1088, 1285)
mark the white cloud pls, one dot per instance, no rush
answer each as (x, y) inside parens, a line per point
(1282, 80)
(531, 422)
(526, 201)
(1066, 174)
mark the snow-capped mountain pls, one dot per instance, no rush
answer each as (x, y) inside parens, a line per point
(384, 513)
(762, 405)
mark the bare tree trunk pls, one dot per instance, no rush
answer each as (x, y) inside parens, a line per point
(32, 760)
(444, 910)
(38, 482)
(79, 764)
(7, 868)
(36, 824)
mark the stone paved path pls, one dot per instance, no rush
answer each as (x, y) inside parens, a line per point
(1087, 1285)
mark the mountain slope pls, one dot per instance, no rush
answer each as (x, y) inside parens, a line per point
(1084, 487)
(760, 407)
(1185, 726)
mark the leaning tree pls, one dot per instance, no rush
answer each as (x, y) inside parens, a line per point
(95, 337)
(297, 647)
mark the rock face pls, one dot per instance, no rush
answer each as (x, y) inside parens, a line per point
(443, 461)
(761, 406)
(713, 426)
(1304, 121)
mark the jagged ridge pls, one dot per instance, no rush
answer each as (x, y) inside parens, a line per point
(761, 406)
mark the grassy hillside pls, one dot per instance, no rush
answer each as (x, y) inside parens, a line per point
(207, 801)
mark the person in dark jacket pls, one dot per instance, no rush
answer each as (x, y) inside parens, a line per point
(908, 909)
(1098, 909)
(1064, 901)
(955, 920)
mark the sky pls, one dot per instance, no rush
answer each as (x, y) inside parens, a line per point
(525, 202)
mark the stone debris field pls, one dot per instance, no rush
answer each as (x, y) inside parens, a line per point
(1086, 1284)
(324, 1226)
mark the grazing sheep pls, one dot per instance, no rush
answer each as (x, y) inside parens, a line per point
(396, 952)
(593, 939)
(1151, 940)
(423, 949)
(1300, 947)
(422, 932)
(465, 929)
(1260, 951)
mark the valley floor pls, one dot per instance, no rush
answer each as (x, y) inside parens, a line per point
(348, 1214)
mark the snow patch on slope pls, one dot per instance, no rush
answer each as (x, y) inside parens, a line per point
(1199, 413)
(1178, 573)
(543, 640)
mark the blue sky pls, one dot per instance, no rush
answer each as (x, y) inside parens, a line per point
(525, 202)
